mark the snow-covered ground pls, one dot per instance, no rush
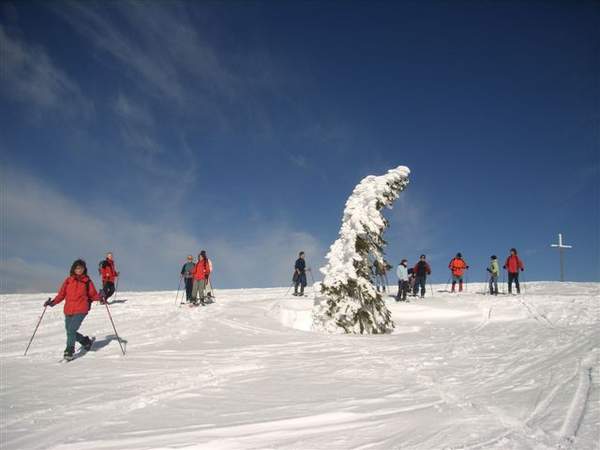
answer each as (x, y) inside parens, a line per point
(460, 371)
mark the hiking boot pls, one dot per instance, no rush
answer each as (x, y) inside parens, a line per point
(68, 354)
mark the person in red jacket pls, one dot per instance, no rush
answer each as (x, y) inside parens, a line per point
(108, 272)
(201, 273)
(78, 292)
(458, 266)
(512, 265)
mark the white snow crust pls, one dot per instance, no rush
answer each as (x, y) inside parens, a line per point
(459, 372)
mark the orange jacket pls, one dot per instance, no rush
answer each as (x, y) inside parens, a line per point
(458, 266)
(202, 269)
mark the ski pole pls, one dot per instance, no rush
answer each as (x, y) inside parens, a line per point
(503, 283)
(486, 285)
(430, 287)
(178, 288)
(211, 290)
(447, 283)
(36, 328)
(114, 328)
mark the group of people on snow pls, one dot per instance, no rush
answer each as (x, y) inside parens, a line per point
(196, 276)
(414, 279)
(78, 292)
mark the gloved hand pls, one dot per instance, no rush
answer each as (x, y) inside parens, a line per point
(49, 302)
(504, 267)
(102, 295)
(489, 270)
(522, 270)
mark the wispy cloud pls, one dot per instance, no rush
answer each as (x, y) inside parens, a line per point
(158, 45)
(30, 76)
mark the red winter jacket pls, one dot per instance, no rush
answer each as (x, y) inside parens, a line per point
(202, 269)
(513, 264)
(108, 271)
(76, 291)
(458, 266)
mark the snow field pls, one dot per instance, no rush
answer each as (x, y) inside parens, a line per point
(459, 371)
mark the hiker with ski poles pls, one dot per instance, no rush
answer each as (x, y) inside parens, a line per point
(108, 273)
(512, 265)
(457, 267)
(380, 268)
(201, 274)
(494, 272)
(188, 277)
(78, 292)
(299, 277)
(421, 270)
(403, 283)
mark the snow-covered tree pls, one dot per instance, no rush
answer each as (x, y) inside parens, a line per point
(349, 303)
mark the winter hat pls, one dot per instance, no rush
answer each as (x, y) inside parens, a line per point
(422, 256)
(513, 250)
(403, 261)
(459, 255)
(77, 263)
(203, 253)
(494, 257)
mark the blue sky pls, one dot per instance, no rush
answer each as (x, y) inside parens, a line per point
(157, 129)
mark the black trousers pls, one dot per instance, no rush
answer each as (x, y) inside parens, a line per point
(420, 281)
(189, 285)
(109, 288)
(403, 288)
(513, 277)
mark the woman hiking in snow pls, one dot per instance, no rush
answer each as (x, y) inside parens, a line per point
(512, 265)
(78, 292)
(201, 273)
(457, 266)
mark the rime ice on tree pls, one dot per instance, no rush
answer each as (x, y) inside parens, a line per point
(350, 303)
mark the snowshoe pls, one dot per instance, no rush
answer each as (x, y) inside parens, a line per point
(68, 354)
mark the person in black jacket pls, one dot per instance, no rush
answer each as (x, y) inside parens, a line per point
(421, 270)
(299, 277)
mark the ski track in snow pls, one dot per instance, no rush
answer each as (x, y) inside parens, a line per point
(461, 371)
